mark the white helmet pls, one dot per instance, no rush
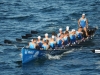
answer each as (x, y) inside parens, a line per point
(46, 34)
(53, 37)
(60, 29)
(31, 40)
(83, 14)
(73, 30)
(39, 37)
(67, 28)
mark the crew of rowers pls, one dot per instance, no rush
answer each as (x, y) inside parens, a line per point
(65, 38)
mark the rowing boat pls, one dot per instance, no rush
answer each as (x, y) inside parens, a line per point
(32, 54)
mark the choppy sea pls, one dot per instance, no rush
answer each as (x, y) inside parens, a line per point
(19, 17)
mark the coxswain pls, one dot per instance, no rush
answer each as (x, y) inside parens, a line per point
(83, 22)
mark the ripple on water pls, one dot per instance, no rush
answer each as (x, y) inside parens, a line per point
(19, 17)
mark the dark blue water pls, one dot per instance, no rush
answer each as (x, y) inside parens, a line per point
(18, 17)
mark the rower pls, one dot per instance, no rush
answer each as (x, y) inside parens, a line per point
(32, 44)
(52, 42)
(55, 35)
(79, 33)
(73, 36)
(39, 42)
(60, 32)
(45, 45)
(66, 38)
(83, 22)
(60, 40)
(46, 37)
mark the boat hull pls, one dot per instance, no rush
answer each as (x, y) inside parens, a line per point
(32, 54)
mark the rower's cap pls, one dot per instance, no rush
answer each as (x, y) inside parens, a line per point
(67, 28)
(83, 14)
(73, 30)
(31, 40)
(53, 37)
(46, 34)
(60, 29)
(39, 37)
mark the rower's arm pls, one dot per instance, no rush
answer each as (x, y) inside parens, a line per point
(86, 23)
(48, 47)
(79, 22)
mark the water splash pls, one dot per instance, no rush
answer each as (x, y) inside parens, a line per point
(54, 57)
(50, 57)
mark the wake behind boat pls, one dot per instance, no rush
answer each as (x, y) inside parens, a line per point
(32, 54)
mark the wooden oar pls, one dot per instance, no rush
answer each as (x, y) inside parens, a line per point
(96, 50)
(33, 32)
(19, 40)
(7, 41)
(29, 35)
(24, 37)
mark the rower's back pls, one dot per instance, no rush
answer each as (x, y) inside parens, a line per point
(32, 45)
(45, 45)
(52, 42)
(66, 38)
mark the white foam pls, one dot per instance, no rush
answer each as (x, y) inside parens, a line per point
(50, 57)
(53, 57)
(70, 51)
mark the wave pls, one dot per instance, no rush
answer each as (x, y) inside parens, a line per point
(19, 17)
(49, 9)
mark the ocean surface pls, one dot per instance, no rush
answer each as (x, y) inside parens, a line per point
(19, 17)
